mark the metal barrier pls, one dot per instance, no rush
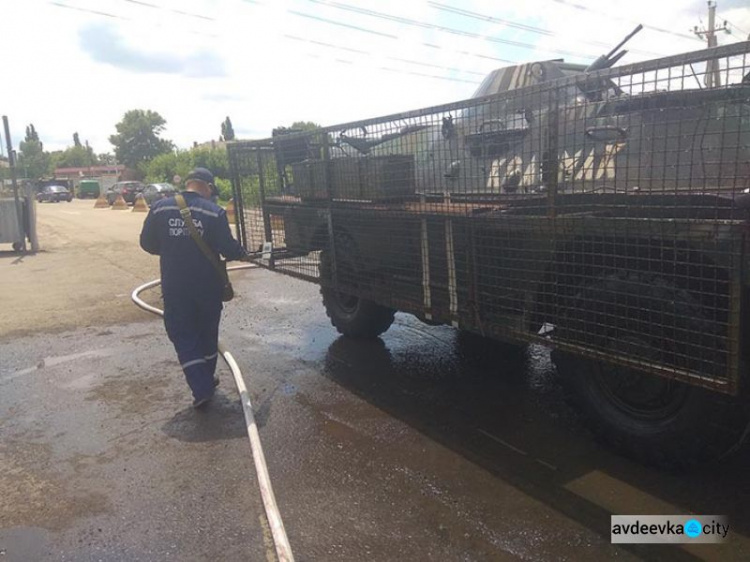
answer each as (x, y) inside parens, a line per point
(601, 213)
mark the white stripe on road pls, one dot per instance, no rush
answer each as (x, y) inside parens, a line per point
(54, 361)
(504, 443)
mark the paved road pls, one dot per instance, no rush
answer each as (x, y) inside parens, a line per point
(397, 449)
(387, 450)
(89, 262)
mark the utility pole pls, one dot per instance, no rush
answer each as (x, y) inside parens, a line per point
(713, 76)
(12, 162)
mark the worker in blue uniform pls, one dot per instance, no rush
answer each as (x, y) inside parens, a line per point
(191, 285)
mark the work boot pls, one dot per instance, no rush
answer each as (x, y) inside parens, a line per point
(198, 403)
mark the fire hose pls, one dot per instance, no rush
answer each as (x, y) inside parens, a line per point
(281, 542)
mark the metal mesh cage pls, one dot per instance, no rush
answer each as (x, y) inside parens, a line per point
(602, 213)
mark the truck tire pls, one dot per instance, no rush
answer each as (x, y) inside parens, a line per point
(352, 316)
(649, 418)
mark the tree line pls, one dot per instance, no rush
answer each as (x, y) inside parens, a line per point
(139, 146)
(136, 143)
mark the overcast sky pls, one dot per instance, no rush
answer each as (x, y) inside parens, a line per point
(271, 62)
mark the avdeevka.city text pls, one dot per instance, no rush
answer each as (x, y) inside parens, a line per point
(669, 528)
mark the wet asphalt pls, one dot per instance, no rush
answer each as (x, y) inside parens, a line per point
(404, 448)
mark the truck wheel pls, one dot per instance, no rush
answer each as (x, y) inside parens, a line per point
(652, 419)
(351, 316)
(485, 352)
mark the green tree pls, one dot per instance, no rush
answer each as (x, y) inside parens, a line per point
(76, 157)
(76, 140)
(137, 140)
(227, 131)
(297, 127)
(32, 160)
(305, 126)
(165, 166)
(53, 161)
(215, 159)
(106, 159)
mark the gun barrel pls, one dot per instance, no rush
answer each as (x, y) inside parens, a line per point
(627, 38)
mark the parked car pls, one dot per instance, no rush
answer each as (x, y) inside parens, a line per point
(54, 194)
(88, 188)
(128, 190)
(156, 191)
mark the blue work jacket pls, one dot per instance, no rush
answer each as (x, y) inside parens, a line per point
(184, 268)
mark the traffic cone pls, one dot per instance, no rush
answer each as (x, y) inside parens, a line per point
(101, 202)
(140, 205)
(230, 211)
(119, 204)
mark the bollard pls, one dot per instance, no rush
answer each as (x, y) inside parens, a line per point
(119, 204)
(230, 211)
(140, 205)
(101, 202)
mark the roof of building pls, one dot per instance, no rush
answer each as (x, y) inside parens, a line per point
(88, 170)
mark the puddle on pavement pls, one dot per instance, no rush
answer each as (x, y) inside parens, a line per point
(34, 493)
(132, 395)
(512, 419)
(23, 544)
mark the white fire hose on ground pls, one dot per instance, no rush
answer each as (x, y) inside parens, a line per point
(281, 542)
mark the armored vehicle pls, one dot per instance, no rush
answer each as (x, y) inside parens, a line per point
(601, 211)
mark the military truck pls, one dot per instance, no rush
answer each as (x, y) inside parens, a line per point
(601, 211)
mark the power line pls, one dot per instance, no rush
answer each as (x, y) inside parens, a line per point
(330, 45)
(119, 17)
(396, 70)
(338, 60)
(470, 54)
(425, 25)
(86, 10)
(324, 20)
(180, 12)
(370, 53)
(322, 43)
(301, 14)
(389, 36)
(608, 15)
(425, 75)
(492, 19)
(521, 26)
(341, 24)
(737, 28)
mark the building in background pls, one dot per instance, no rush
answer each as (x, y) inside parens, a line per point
(106, 175)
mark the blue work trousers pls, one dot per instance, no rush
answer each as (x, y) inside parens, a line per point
(192, 324)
